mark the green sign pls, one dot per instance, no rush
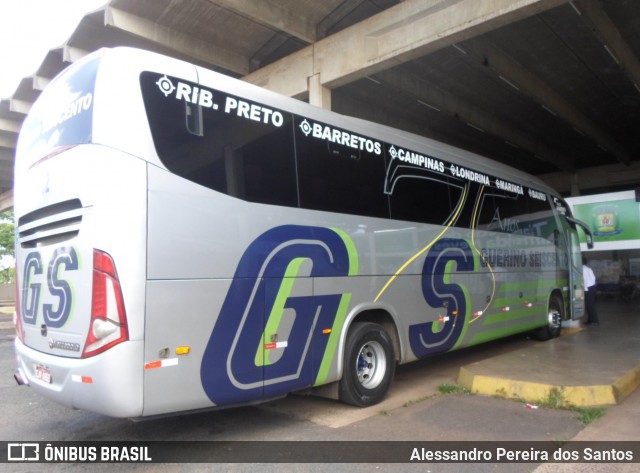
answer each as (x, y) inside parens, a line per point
(610, 220)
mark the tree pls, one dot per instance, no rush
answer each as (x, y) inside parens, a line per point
(7, 245)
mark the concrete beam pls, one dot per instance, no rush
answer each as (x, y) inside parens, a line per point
(409, 30)
(438, 99)
(6, 176)
(20, 106)
(7, 155)
(24, 90)
(289, 76)
(40, 82)
(9, 126)
(341, 11)
(595, 178)
(182, 43)
(483, 52)
(276, 41)
(607, 31)
(8, 141)
(6, 200)
(72, 54)
(52, 63)
(273, 16)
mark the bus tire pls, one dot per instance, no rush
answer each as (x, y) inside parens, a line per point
(369, 365)
(554, 320)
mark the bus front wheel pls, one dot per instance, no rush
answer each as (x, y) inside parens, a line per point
(554, 320)
(369, 365)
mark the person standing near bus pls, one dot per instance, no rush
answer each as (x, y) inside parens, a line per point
(590, 293)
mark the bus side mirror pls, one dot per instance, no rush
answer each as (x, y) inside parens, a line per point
(589, 240)
(585, 228)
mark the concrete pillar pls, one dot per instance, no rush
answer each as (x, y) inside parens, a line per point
(319, 95)
(6, 200)
(575, 185)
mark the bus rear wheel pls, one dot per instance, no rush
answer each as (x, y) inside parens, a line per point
(369, 365)
(554, 320)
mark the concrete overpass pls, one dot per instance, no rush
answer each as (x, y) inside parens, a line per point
(551, 87)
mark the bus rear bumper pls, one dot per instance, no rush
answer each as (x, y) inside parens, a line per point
(110, 383)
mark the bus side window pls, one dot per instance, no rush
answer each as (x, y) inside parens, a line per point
(339, 178)
(226, 152)
(485, 219)
(267, 164)
(421, 199)
(504, 212)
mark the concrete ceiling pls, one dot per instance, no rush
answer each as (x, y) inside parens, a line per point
(551, 87)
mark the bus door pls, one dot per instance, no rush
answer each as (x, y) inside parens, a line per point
(275, 324)
(565, 273)
(576, 282)
(302, 306)
(578, 299)
(287, 339)
(570, 257)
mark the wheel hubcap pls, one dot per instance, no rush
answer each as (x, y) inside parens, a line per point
(371, 365)
(554, 319)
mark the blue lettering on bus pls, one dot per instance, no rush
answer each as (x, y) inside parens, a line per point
(31, 288)
(63, 259)
(439, 336)
(229, 372)
(55, 314)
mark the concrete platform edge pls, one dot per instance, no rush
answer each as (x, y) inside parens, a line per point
(533, 392)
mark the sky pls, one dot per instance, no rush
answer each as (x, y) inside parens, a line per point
(29, 29)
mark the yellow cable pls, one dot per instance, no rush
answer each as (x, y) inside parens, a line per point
(473, 243)
(417, 255)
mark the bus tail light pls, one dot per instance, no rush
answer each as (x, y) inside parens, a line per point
(108, 325)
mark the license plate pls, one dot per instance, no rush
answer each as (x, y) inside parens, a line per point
(43, 373)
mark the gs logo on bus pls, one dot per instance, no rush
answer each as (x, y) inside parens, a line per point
(430, 337)
(55, 314)
(271, 304)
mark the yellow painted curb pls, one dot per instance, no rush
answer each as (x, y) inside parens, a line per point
(626, 384)
(581, 396)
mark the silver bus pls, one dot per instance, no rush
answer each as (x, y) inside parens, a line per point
(186, 240)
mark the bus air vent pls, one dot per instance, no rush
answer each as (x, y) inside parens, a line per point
(52, 224)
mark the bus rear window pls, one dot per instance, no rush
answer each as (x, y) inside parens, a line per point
(62, 115)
